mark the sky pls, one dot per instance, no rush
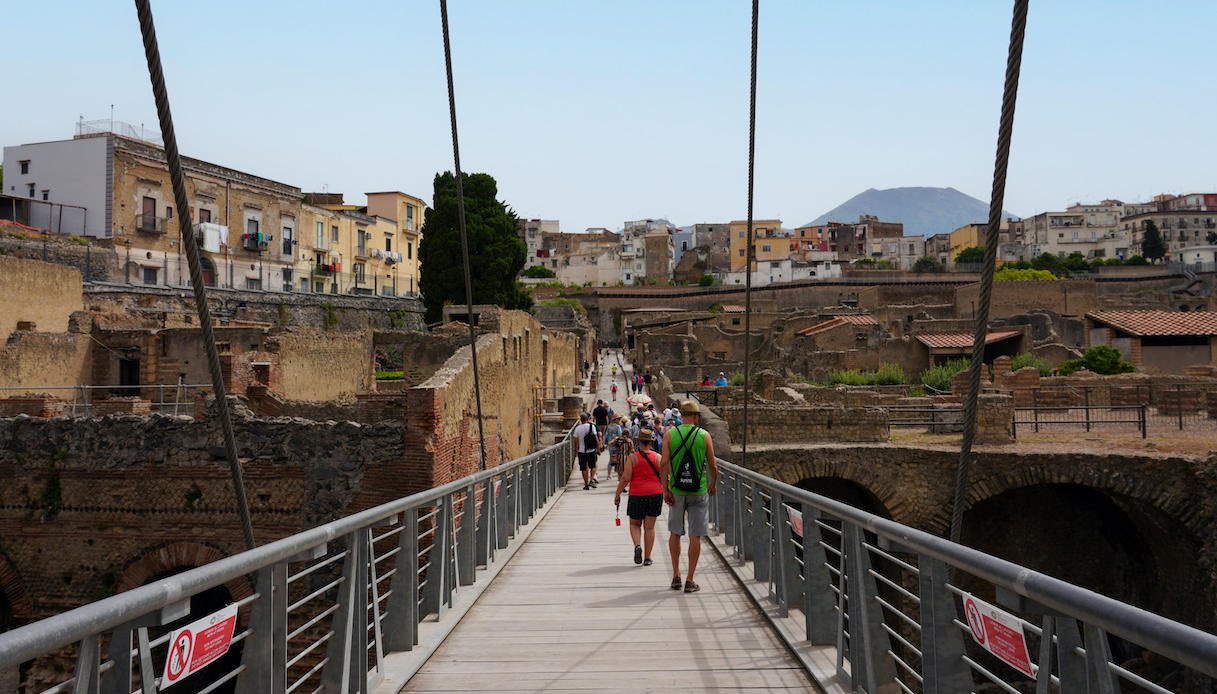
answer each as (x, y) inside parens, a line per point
(594, 113)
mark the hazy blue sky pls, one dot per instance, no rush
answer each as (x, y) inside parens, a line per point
(598, 112)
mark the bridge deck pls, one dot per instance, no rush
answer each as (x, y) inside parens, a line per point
(571, 611)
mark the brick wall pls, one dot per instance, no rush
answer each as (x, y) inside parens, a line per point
(819, 424)
(42, 293)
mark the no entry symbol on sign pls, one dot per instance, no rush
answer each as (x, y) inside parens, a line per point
(974, 621)
(179, 655)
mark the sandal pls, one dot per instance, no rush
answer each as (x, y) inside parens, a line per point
(676, 583)
(691, 587)
(637, 554)
(647, 562)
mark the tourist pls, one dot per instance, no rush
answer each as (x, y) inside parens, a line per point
(600, 416)
(706, 382)
(688, 455)
(611, 435)
(646, 378)
(641, 473)
(586, 448)
(721, 380)
(614, 389)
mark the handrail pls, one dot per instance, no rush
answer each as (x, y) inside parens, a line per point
(38, 638)
(1186, 645)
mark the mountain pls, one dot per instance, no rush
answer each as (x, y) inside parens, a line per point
(924, 211)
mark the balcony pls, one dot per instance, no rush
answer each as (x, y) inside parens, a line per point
(151, 224)
(256, 242)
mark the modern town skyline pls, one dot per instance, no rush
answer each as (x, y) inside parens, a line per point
(594, 114)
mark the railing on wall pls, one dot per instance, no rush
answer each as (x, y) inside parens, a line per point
(886, 603)
(327, 606)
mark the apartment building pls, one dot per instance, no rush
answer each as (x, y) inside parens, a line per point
(533, 231)
(353, 250)
(849, 241)
(767, 242)
(647, 252)
(1185, 221)
(400, 254)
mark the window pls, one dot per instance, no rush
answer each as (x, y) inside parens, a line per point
(168, 211)
(251, 226)
(46, 194)
(204, 216)
(150, 275)
(358, 272)
(388, 244)
(766, 248)
(409, 250)
(25, 166)
(320, 239)
(361, 242)
(251, 283)
(410, 218)
(287, 279)
(741, 253)
(288, 240)
(334, 233)
(31, 185)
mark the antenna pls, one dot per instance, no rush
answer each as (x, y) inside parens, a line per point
(111, 117)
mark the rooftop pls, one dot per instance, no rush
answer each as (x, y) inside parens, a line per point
(838, 321)
(1158, 323)
(962, 340)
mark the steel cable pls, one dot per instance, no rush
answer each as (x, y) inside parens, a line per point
(152, 52)
(460, 215)
(756, 8)
(1005, 131)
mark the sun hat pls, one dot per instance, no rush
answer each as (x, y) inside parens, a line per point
(690, 407)
(646, 436)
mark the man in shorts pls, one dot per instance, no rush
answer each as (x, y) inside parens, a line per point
(586, 449)
(688, 444)
(600, 417)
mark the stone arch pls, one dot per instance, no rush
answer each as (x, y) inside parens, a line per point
(12, 592)
(170, 557)
(884, 489)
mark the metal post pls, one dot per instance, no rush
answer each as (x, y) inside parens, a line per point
(1035, 406)
(1086, 403)
(943, 669)
(758, 536)
(1099, 677)
(1179, 405)
(401, 618)
(347, 652)
(503, 511)
(88, 665)
(818, 599)
(737, 518)
(868, 643)
(486, 525)
(1142, 415)
(466, 565)
(265, 654)
(783, 556)
(118, 679)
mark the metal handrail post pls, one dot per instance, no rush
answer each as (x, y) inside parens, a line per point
(781, 546)
(265, 653)
(401, 616)
(868, 644)
(466, 545)
(347, 652)
(758, 537)
(486, 525)
(943, 669)
(818, 605)
(741, 528)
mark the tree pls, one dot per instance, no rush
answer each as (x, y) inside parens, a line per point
(973, 254)
(1076, 262)
(1211, 237)
(926, 264)
(1152, 246)
(539, 272)
(706, 280)
(1051, 263)
(496, 252)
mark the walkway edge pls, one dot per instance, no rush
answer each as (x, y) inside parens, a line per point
(400, 667)
(819, 661)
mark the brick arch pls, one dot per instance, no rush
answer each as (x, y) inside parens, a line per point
(14, 588)
(883, 487)
(993, 478)
(171, 556)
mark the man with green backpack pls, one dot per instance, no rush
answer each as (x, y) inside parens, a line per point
(691, 472)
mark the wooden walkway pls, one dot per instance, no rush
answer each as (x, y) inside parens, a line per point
(572, 611)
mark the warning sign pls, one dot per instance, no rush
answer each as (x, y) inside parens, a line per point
(199, 643)
(998, 632)
(796, 521)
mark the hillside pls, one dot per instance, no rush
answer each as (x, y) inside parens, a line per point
(924, 211)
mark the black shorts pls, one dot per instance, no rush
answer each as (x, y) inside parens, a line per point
(639, 507)
(587, 461)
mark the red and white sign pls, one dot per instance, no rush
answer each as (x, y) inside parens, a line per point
(199, 643)
(999, 633)
(796, 521)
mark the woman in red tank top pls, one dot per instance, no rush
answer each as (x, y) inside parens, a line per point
(646, 496)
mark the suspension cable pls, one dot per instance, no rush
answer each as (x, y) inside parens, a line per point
(1005, 131)
(748, 253)
(152, 52)
(460, 215)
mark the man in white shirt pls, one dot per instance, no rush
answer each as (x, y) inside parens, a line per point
(587, 449)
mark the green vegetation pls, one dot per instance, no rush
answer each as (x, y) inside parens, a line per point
(885, 375)
(874, 263)
(939, 377)
(1152, 246)
(390, 375)
(972, 254)
(397, 318)
(539, 272)
(497, 252)
(706, 281)
(565, 301)
(1100, 359)
(1211, 237)
(715, 308)
(1026, 359)
(51, 498)
(927, 264)
(1012, 274)
(193, 496)
(329, 315)
(737, 378)
(282, 309)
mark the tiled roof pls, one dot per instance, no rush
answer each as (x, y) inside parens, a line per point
(733, 308)
(838, 321)
(962, 340)
(1158, 323)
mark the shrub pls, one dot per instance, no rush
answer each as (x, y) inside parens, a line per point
(1026, 359)
(706, 280)
(939, 377)
(926, 264)
(1136, 260)
(885, 375)
(972, 254)
(737, 378)
(1101, 359)
(390, 375)
(1011, 274)
(564, 301)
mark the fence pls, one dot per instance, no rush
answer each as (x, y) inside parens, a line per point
(881, 606)
(1169, 406)
(319, 616)
(947, 419)
(175, 399)
(1093, 418)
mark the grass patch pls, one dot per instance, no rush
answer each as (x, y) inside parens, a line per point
(939, 377)
(885, 375)
(390, 375)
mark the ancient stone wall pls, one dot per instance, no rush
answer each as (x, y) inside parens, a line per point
(106, 492)
(94, 259)
(34, 362)
(817, 424)
(32, 291)
(322, 365)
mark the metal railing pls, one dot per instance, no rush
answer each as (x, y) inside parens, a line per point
(81, 401)
(327, 606)
(947, 419)
(885, 600)
(1090, 418)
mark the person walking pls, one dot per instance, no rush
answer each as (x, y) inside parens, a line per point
(612, 440)
(641, 473)
(600, 417)
(587, 449)
(690, 471)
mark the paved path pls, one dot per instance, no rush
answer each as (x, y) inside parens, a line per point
(571, 611)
